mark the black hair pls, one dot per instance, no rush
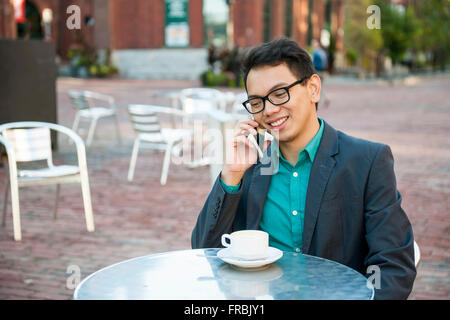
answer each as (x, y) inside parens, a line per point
(276, 52)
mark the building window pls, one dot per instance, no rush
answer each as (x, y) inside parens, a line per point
(216, 16)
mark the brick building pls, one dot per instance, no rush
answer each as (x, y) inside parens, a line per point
(150, 37)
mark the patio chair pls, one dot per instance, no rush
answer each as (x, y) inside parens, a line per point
(200, 100)
(150, 134)
(28, 142)
(93, 106)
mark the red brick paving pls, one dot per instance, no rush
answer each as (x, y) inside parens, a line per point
(142, 217)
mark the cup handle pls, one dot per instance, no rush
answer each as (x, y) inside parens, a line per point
(224, 238)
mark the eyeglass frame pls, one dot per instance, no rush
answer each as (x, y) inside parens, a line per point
(266, 97)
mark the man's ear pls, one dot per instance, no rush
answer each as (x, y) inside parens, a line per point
(314, 86)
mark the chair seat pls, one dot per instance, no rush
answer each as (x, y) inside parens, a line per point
(97, 112)
(166, 135)
(55, 171)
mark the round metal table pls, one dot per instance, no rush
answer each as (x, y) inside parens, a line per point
(200, 275)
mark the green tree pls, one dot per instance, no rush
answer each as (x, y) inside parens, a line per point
(359, 39)
(434, 36)
(399, 28)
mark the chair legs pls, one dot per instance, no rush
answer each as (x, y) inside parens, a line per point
(76, 122)
(93, 126)
(91, 131)
(116, 119)
(75, 125)
(55, 210)
(166, 163)
(5, 202)
(134, 155)
(15, 209)
(87, 202)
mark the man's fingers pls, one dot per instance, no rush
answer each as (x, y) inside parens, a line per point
(245, 129)
(250, 122)
(242, 140)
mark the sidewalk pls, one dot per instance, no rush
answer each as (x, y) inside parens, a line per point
(142, 217)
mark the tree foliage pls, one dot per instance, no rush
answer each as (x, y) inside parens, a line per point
(358, 38)
(421, 27)
(399, 29)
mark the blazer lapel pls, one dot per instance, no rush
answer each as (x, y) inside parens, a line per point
(259, 186)
(320, 173)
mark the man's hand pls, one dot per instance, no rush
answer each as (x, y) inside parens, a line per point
(241, 153)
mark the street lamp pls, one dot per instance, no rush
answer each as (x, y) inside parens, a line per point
(47, 18)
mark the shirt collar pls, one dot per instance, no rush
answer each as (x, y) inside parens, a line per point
(313, 145)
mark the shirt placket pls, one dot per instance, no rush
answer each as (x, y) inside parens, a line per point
(296, 212)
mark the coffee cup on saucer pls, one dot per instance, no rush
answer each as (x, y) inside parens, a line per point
(247, 244)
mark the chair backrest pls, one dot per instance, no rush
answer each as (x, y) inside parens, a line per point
(78, 99)
(95, 99)
(31, 144)
(199, 100)
(89, 99)
(144, 119)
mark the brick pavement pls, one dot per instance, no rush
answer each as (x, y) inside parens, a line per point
(142, 217)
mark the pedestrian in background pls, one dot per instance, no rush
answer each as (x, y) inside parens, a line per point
(320, 61)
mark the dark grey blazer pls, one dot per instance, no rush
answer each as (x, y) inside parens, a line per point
(353, 211)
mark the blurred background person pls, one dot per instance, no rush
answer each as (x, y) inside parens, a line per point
(320, 61)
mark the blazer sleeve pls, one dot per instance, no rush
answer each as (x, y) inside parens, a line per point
(216, 217)
(389, 233)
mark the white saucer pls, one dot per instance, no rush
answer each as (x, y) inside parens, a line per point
(273, 254)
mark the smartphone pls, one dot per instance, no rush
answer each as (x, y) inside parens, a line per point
(262, 132)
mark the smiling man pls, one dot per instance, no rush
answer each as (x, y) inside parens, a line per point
(332, 196)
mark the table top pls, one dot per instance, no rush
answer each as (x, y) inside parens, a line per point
(200, 275)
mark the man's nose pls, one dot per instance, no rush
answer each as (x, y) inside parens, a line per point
(270, 108)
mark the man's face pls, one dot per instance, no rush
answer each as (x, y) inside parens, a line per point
(289, 120)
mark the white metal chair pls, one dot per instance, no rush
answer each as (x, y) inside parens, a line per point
(199, 104)
(200, 100)
(29, 142)
(93, 106)
(150, 134)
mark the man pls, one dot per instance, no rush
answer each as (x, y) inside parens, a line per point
(320, 59)
(320, 62)
(332, 196)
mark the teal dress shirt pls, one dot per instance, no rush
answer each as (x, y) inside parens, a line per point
(284, 209)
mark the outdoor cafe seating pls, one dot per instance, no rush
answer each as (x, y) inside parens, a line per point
(30, 143)
(93, 106)
(150, 134)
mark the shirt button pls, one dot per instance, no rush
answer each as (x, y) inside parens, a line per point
(295, 174)
(297, 250)
(294, 212)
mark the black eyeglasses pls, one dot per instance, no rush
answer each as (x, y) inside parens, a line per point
(276, 97)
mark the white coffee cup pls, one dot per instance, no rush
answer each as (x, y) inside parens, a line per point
(247, 244)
